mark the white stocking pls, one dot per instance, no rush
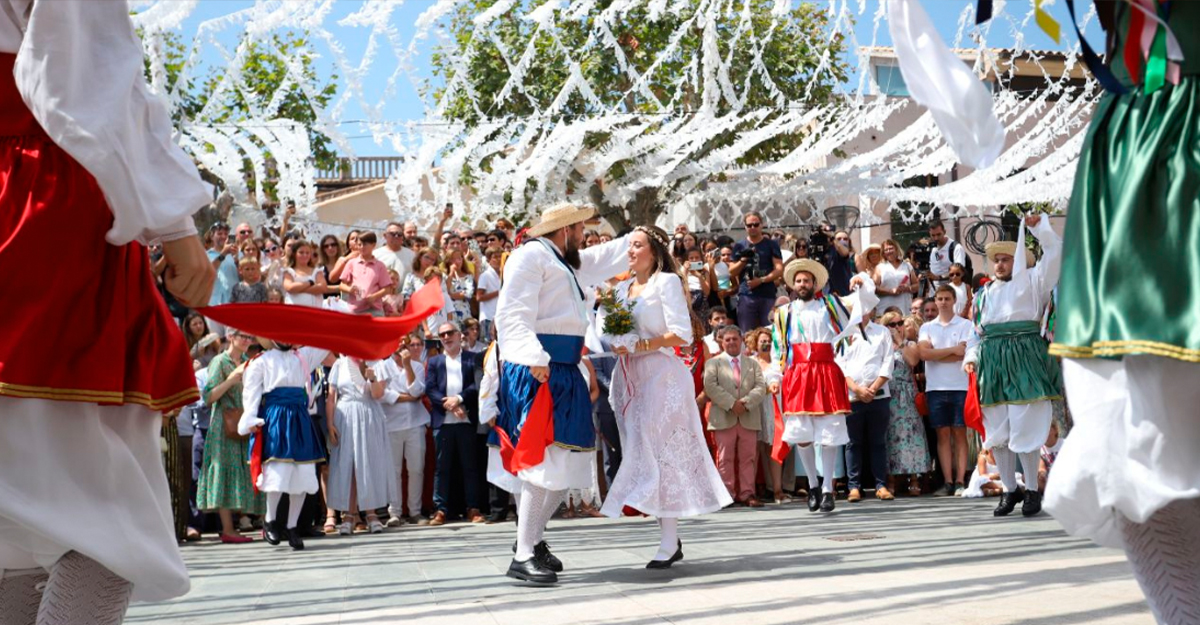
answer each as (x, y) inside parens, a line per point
(808, 457)
(295, 504)
(81, 590)
(529, 523)
(829, 454)
(669, 527)
(1030, 462)
(1165, 554)
(1006, 464)
(20, 596)
(273, 505)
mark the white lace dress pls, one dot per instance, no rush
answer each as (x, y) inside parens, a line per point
(666, 470)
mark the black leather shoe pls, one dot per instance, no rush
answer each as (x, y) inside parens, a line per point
(666, 564)
(826, 502)
(1009, 501)
(497, 517)
(273, 532)
(814, 500)
(311, 531)
(531, 571)
(541, 553)
(1033, 503)
(295, 541)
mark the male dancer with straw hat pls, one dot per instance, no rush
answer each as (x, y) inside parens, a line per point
(546, 438)
(815, 403)
(1017, 378)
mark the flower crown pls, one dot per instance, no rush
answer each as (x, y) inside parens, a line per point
(654, 235)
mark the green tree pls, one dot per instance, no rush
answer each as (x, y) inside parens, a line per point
(262, 74)
(792, 51)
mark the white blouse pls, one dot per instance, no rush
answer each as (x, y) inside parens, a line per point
(79, 69)
(311, 300)
(890, 278)
(661, 307)
(540, 296)
(275, 369)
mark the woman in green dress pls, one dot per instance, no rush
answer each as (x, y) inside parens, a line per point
(225, 484)
(1129, 299)
(908, 451)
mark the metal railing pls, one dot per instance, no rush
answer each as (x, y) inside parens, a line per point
(361, 168)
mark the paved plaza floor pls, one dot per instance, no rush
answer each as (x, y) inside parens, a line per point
(928, 560)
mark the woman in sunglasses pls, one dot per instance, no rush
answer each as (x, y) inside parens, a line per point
(329, 253)
(908, 451)
(958, 276)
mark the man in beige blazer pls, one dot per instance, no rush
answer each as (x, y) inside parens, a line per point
(736, 387)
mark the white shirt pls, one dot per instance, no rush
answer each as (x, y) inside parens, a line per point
(711, 341)
(271, 370)
(1026, 295)
(488, 387)
(540, 296)
(946, 376)
(79, 69)
(311, 300)
(865, 360)
(454, 385)
(940, 260)
(489, 281)
(890, 278)
(400, 262)
(810, 321)
(408, 414)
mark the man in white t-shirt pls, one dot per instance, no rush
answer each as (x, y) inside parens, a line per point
(943, 344)
(946, 252)
(393, 254)
(717, 317)
(487, 292)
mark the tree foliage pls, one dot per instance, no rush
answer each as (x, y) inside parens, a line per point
(791, 50)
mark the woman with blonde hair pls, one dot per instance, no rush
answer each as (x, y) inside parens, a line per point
(908, 451)
(895, 277)
(302, 285)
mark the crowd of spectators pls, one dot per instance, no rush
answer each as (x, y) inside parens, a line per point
(404, 435)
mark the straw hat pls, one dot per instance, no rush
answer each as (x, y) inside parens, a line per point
(559, 216)
(1009, 248)
(873, 248)
(807, 265)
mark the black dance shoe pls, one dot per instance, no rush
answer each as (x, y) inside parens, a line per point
(531, 571)
(541, 553)
(666, 564)
(1033, 503)
(273, 532)
(827, 502)
(1009, 501)
(814, 500)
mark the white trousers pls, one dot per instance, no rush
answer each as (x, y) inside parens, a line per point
(408, 450)
(1021, 427)
(823, 430)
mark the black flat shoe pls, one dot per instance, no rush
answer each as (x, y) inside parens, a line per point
(666, 564)
(1009, 501)
(310, 532)
(531, 571)
(273, 532)
(1033, 503)
(295, 541)
(814, 500)
(541, 553)
(827, 504)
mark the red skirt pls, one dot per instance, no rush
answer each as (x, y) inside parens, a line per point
(82, 319)
(814, 385)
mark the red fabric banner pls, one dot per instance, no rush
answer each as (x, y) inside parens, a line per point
(779, 449)
(972, 412)
(256, 459)
(361, 336)
(536, 435)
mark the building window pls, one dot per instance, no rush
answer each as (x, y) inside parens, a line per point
(890, 80)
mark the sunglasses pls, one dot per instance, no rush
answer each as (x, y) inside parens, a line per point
(895, 324)
(446, 335)
(956, 275)
(394, 235)
(753, 225)
(272, 249)
(244, 232)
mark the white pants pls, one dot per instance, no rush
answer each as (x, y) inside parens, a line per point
(408, 450)
(1021, 427)
(823, 430)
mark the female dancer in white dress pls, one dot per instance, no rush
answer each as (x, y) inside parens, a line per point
(666, 470)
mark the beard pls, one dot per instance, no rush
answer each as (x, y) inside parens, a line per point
(804, 294)
(283, 347)
(571, 255)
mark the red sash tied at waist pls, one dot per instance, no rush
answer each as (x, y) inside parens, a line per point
(812, 352)
(813, 384)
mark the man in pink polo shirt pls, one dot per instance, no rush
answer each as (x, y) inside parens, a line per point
(366, 279)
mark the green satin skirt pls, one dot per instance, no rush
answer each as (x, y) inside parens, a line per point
(1014, 366)
(1131, 260)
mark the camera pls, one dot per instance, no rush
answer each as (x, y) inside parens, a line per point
(921, 251)
(750, 258)
(818, 245)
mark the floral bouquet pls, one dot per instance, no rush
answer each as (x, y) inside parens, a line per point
(619, 328)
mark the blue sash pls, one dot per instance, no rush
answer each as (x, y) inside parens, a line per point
(573, 428)
(290, 434)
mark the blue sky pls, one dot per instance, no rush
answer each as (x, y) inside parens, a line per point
(406, 105)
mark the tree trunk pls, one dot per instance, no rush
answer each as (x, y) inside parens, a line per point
(642, 211)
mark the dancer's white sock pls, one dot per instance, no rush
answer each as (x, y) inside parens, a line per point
(829, 454)
(669, 528)
(517, 499)
(808, 457)
(1165, 554)
(1006, 464)
(81, 590)
(1030, 461)
(273, 505)
(529, 510)
(554, 499)
(295, 504)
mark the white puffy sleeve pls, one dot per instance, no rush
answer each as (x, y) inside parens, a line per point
(252, 392)
(676, 309)
(80, 72)
(1047, 271)
(601, 262)
(489, 386)
(516, 312)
